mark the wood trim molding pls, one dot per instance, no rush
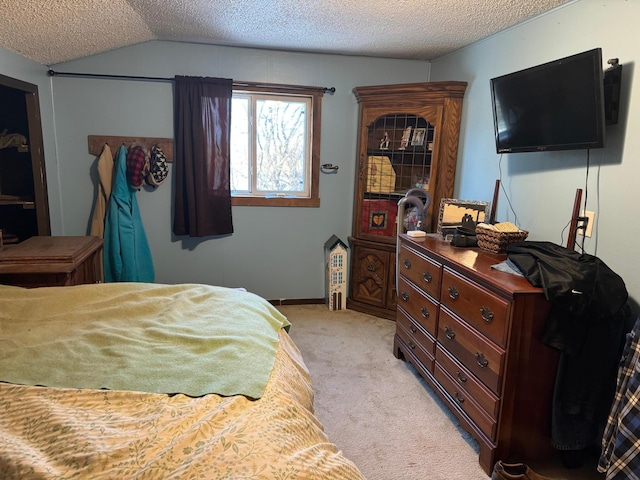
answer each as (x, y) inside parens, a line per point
(297, 301)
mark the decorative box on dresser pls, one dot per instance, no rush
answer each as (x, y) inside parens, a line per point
(408, 138)
(44, 261)
(473, 333)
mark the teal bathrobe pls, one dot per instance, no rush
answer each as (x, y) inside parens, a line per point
(127, 257)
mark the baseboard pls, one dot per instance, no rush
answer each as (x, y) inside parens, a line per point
(297, 301)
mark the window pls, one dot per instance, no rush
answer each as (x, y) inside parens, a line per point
(275, 146)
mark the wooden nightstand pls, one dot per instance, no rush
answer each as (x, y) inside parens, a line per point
(44, 261)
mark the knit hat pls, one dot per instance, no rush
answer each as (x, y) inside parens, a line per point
(158, 169)
(137, 165)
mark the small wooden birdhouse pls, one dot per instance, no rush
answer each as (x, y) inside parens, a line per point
(336, 264)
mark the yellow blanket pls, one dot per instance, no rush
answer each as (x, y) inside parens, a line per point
(54, 433)
(191, 339)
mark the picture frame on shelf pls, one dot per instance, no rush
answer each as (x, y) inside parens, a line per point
(418, 137)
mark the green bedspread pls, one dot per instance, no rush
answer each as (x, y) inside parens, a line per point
(191, 339)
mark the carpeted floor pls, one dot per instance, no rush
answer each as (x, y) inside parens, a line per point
(376, 408)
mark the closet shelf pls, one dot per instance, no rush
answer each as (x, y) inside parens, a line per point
(25, 205)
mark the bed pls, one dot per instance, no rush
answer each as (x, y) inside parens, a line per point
(146, 381)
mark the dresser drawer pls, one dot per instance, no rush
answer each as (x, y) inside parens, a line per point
(425, 273)
(417, 334)
(420, 307)
(467, 382)
(479, 307)
(421, 345)
(466, 403)
(475, 352)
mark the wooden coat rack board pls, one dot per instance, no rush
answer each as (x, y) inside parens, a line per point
(96, 143)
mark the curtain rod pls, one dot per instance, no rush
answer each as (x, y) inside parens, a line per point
(53, 73)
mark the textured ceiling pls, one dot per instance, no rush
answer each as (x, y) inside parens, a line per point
(53, 31)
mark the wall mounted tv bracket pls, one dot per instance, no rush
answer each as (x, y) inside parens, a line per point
(612, 82)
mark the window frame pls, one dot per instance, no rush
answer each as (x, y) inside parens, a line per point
(316, 94)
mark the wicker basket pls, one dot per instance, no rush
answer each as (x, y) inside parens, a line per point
(496, 242)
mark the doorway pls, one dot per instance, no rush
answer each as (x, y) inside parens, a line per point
(24, 204)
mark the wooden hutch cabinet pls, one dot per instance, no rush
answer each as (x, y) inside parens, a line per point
(408, 138)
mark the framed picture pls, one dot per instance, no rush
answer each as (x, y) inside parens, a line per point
(379, 217)
(418, 137)
(461, 213)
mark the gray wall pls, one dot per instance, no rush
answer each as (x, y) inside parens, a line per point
(274, 252)
(542, 186)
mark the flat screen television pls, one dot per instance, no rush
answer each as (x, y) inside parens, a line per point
(558, 105)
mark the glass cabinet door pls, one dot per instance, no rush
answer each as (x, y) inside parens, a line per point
(398, 158)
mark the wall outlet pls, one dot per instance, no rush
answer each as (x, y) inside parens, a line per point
(591, 219)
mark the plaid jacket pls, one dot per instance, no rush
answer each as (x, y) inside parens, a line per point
(620, 458)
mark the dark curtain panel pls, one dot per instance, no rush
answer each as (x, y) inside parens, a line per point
(202, 114)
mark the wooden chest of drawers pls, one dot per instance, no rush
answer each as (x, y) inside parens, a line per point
(45, 261)
(474, 333)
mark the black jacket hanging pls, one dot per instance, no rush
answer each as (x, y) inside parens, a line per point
(587, 323)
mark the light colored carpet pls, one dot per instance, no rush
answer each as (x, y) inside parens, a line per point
(376, 408)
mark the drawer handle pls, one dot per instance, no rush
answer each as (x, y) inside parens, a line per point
(405, 296)
(407, 263)
(482, 361)
(453, 293)
(449, 333)
(462, 377)
(487, 315)
(413, 329)
(425, 312)
(427, 277)
(459, 398)
(371, 267)
(412, 345)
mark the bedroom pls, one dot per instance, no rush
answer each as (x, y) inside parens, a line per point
(541, 186)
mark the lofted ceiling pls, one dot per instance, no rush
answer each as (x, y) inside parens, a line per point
(54, 31)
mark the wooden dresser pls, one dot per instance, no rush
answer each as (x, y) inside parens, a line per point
(45, 261)
(473, 333)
